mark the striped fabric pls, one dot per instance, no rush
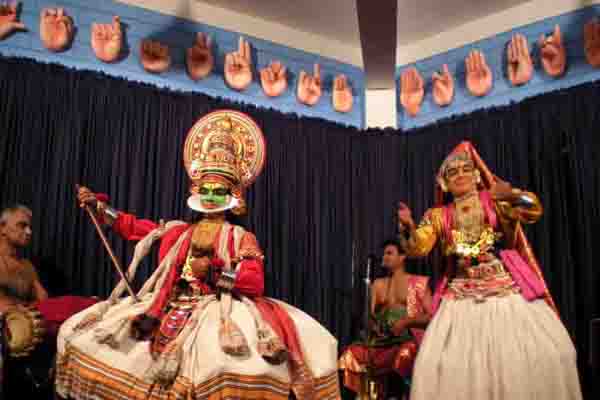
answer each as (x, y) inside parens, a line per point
(83, 377)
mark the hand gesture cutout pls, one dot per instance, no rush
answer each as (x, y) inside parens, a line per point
(591, 42)
(309, 87)
(107, 40)
(520, 66)
(553, 53)
(443, 87)
(411, 91)
(56, 29)
(273, 79)
(342, 94)
(8, 20)
(199, 59)
(238, 66)
(479, 74)
(154, 56)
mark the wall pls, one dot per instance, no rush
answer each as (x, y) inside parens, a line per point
(179, 34)
(380, 108)
(578, 71)
(262, 28)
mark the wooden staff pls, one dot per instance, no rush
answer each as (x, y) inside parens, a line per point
(116, 263)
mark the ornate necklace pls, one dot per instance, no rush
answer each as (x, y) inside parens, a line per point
(469, 216)
(465, 199)
(205, 231)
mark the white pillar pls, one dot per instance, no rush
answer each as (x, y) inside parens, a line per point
(380, 108)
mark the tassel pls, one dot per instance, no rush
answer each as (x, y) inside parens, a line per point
(92, 318)
(113, 337)
(271, 348)
(232, 340)
(165, 368)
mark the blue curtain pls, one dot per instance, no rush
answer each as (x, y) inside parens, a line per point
(326, 188)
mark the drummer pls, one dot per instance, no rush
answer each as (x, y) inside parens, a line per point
(20, 291)
(19, 281)
(31, 318)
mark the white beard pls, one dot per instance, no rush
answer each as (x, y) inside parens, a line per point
(195, 204)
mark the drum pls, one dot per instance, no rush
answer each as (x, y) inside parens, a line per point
(24, 330)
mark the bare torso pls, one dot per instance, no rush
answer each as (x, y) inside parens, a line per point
(390, 292)
(17, 282)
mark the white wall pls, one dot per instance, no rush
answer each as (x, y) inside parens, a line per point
(481, 28)
(257, 27)
(381, 108)
(486, 27)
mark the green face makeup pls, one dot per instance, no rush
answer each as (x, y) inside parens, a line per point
(214, 195)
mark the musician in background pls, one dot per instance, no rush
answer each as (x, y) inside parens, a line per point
(19, 281)
(20, 289)
(31, 319)
(400, 310)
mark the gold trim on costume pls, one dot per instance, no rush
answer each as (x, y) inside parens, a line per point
(83, 376)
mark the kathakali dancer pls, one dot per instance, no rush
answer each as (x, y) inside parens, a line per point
(201, 328)
(495, 333)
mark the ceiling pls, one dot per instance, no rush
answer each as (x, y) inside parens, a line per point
(420, 19)
(337, 19)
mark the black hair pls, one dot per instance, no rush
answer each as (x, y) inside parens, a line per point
(395, 243)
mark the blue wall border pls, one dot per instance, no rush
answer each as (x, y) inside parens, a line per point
(503, 93)
(179, 34)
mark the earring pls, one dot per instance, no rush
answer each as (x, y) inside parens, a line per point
(236, 192)
(240, 209)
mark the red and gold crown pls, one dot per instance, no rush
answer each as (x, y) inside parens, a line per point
(224, 146)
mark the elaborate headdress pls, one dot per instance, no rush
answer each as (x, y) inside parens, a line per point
(224, 146)
(486, 181)
(463, 152)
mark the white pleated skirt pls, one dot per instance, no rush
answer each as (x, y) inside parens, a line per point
(88, 370)
(504, 348)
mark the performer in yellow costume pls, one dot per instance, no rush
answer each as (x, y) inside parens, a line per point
(201, 328)
(495, 334)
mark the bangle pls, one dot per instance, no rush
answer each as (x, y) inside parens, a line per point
(111, 212)
(227, 280)
(524, 201)
(104, 209)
